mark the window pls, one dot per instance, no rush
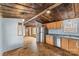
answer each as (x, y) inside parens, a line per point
(20, 29)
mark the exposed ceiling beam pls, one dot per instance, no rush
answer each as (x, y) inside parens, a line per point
(49, 8)
(49, 19)
(25, 5)
(17, 8)
(28, 12)
(45, 17)
(48, 15)
(39, 5)
(10, 11)
(16, 15)
(40, 21)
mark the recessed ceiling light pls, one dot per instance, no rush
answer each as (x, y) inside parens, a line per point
(23, 20)
(48, 11)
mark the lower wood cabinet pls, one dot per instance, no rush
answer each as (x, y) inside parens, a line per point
(49, 39)
(64, 43)
(71, 45)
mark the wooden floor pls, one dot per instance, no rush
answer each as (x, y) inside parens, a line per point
(43, 50)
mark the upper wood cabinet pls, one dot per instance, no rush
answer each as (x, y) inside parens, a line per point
(59, 24)
(54, 25)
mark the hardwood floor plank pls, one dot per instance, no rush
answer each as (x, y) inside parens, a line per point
(43, 50)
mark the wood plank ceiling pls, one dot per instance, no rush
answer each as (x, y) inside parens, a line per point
(29, 10)
(18, 10)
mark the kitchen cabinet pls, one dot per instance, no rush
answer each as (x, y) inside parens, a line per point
(54, 25)
(48, 26)
(49, 39)
(64, 43)
(71, 45)
(59, 24)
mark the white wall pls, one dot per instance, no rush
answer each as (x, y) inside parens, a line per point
(0, 35)
(0, 32)
(11, 40)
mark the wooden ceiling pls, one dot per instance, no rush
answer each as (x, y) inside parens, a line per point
(22, 10)
(29, 10)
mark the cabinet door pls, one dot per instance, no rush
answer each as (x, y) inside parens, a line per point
(49, 40)
(48, 26)
(64, 43)
(73, 46)
(52, 40)
(77, 47)
(59, 24)
(54, 25)
(51, 24)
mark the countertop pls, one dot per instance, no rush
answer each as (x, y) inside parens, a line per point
(65, 36)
